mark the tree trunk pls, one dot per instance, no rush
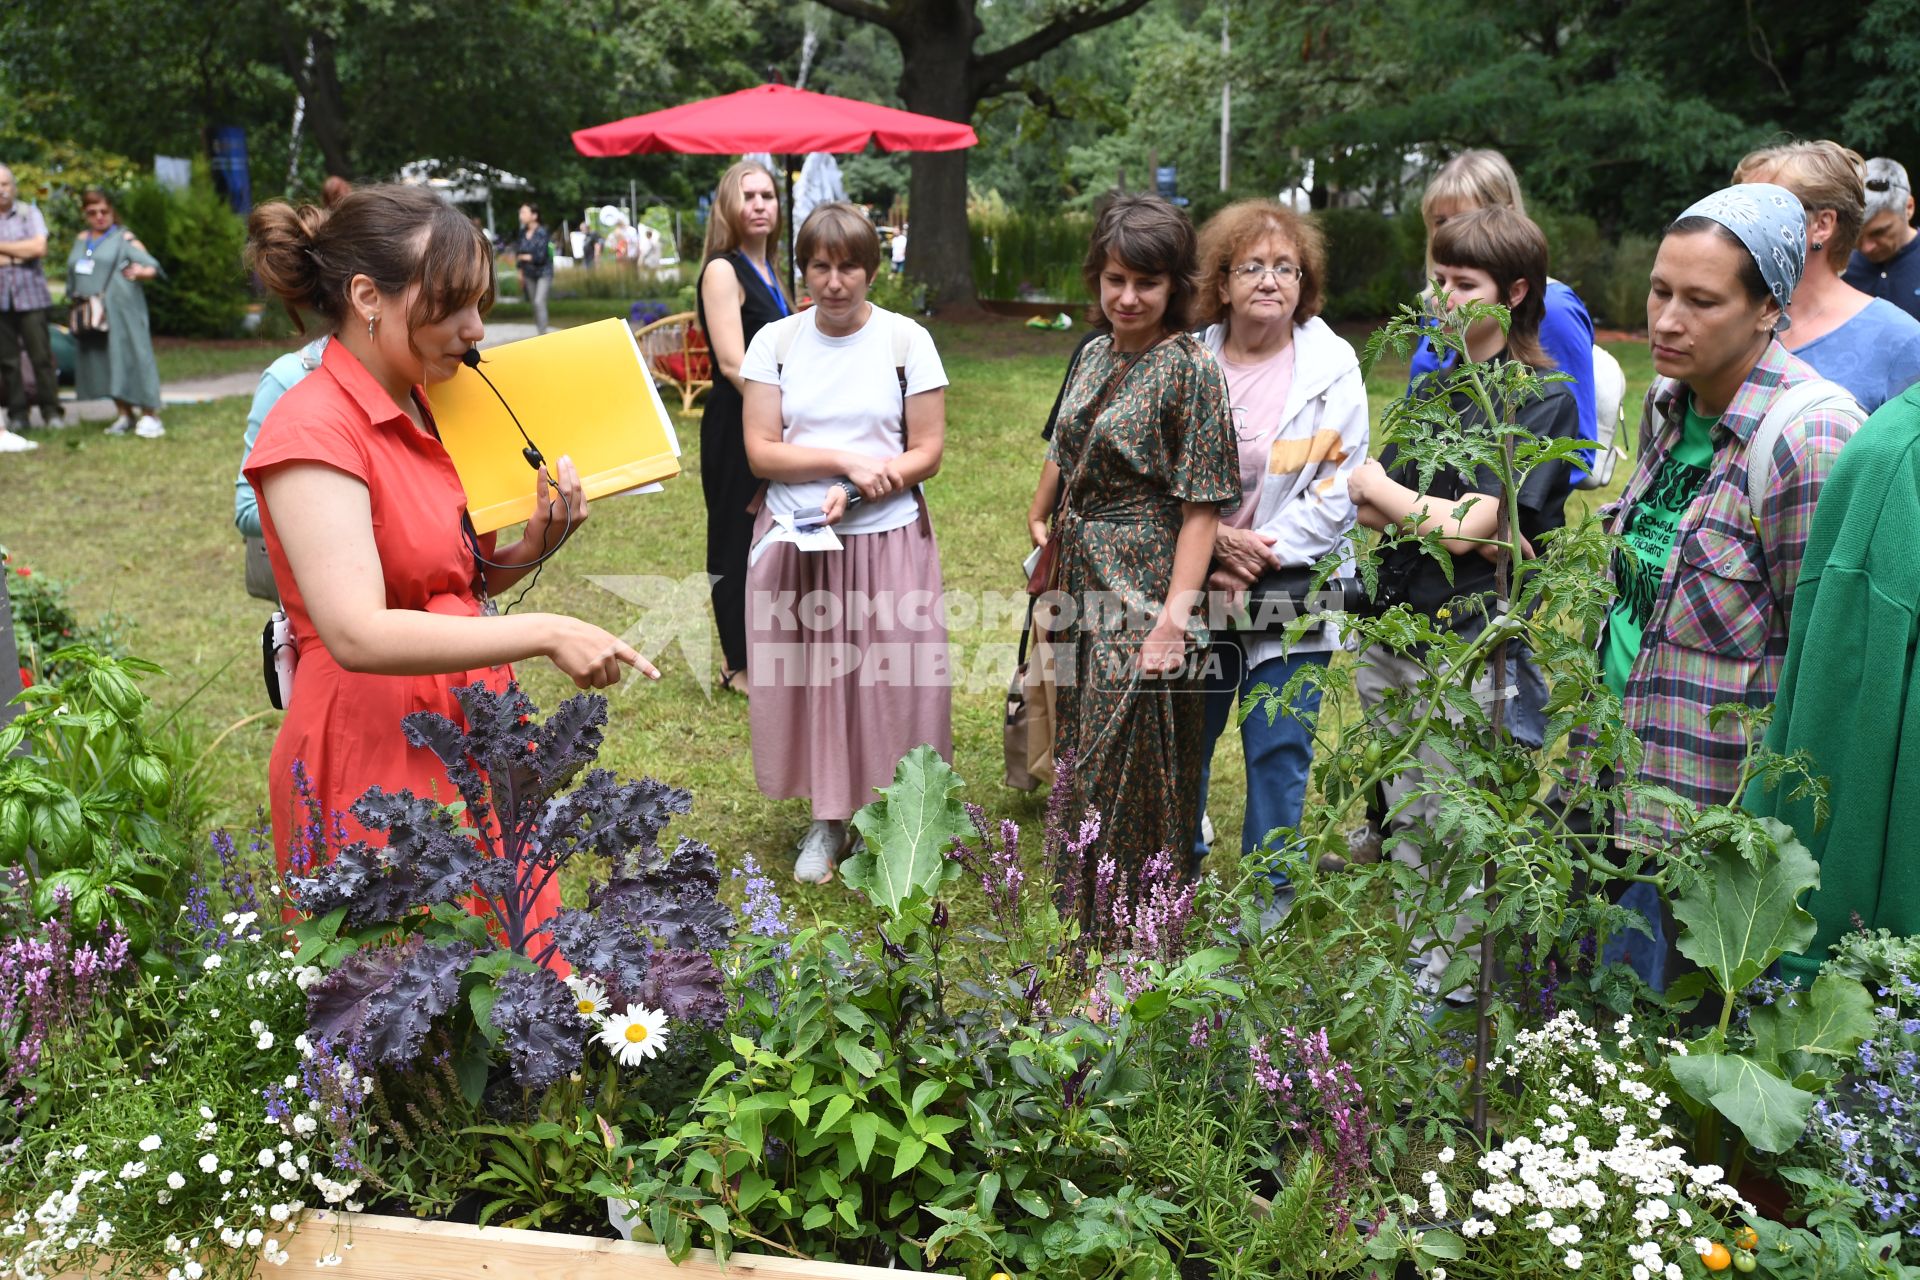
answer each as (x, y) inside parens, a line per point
(325, 116)
(936, 80)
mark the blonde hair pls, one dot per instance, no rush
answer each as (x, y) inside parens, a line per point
(1478, 179)
(1824, 175)
(725, 225)
(1236, 229)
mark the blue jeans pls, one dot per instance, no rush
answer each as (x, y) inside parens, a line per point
(1279, 755)
(1650, 957)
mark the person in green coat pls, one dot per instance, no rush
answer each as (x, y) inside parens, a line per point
(1849, 683)
(108, 263)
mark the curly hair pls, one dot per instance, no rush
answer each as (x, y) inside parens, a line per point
(1236, 229)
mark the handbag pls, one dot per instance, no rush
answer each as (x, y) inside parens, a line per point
(260, 583)
(1027, 729)
(88, 315)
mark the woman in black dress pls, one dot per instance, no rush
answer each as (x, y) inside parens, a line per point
(739, 292)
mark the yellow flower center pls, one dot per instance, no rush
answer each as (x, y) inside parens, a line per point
(637, 1033)
(587, 1006)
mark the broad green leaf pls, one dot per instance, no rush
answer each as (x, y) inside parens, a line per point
(865, 1127)
(989, 1192)
(1769, 1111)
(925, 1094)
(817, 1216)
(1034, 1203)
(1150, 1005)
(908, 831)
(716, 1219)
(1739, 917)
(1829, 1020)
(908, 1155)
(837, 1106)
(753, 1189)
(857, 1055)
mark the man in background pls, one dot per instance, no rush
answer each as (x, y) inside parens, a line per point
(24, 303)
(1885, 264)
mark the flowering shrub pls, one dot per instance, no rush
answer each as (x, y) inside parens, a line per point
(44, 623)
(1589, 1176)
(164, 1154)
(50, 980)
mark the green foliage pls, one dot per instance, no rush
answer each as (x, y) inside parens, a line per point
(197, 238)
(44, 623)
(1029, 255)
(1374, 263)
(1831, 1245)
(90, 803)
(907, 833)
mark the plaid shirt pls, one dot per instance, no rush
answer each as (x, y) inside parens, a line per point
(1718, 630)
(23, 287)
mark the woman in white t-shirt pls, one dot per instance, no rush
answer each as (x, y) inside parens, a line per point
(845, 416)
(1300, 416)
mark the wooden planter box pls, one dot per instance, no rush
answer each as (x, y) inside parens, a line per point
(407, 1249)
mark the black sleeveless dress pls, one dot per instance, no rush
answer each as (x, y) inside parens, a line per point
(725, 479)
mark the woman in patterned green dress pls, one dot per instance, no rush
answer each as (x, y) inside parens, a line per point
(1144, 456)
(109, 263)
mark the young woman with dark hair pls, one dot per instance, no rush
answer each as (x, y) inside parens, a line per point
(365, 518)
(1144, 458)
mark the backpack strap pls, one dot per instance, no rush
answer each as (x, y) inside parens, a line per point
(1788, 407)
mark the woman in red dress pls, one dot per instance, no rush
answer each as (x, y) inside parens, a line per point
(365, 517)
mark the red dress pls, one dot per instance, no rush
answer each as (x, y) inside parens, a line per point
(342, 726)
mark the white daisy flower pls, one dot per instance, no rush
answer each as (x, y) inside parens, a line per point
(589, 998)
(634, 1036)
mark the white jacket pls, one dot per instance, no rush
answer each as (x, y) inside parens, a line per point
(1301, 501)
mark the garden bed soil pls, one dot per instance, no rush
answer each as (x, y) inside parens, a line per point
(374, 1247)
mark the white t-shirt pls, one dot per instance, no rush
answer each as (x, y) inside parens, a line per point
(843, 393)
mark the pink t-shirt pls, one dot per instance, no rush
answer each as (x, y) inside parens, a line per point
(1258, 393)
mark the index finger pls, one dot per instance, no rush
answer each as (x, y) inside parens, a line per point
(626, 653)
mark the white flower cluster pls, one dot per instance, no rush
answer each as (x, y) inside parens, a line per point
(631, 1037)
(1600, 1168)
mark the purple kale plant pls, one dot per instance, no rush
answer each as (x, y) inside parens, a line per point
(529, 804)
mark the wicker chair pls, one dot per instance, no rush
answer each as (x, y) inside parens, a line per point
(676, 354)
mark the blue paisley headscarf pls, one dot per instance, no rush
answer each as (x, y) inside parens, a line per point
(1771, 223)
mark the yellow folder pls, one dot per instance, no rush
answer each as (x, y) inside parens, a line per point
(583, 392)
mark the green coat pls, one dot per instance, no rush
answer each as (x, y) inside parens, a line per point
(1850, 688)
(118, 363)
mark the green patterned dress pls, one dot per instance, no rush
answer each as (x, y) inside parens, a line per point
(120, 362)
(1163, 436)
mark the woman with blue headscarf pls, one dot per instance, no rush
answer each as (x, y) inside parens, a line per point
(1713, 529)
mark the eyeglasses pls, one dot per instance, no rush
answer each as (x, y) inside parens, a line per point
(1883, 184)
(1253, 272)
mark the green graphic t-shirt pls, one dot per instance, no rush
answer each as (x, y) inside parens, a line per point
(1639, 567)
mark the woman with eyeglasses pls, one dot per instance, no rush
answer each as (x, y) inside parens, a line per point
(1866, 344)
(1299, 408)
(116, 361)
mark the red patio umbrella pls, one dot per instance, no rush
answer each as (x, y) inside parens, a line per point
(778, 119)
(775, 118)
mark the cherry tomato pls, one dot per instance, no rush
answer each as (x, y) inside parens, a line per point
(1743, 1261)
(1716, 1257)
(1746, 1238)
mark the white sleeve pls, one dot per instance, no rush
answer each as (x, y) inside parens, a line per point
(759, 364)
(1316, 521)
(924, 370)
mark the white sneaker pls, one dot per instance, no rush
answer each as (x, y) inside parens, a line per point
(14, 442)
(818, 851)
(149, 428)
(121, 426)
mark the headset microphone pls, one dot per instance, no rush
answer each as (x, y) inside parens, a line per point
(535, 459)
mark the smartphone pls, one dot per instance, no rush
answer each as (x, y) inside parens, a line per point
(809, 518)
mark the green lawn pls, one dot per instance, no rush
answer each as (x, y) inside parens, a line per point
(143, 529)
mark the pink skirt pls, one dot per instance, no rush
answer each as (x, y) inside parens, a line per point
(847, 656)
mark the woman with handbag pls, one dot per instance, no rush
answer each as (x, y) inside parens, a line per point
(846, 415)
(1143, 456)
(1300, 419)
(108, 318)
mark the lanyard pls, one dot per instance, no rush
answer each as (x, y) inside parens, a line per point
(94, 242)
(766, 278)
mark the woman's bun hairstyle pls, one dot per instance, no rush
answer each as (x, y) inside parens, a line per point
(397, 236)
